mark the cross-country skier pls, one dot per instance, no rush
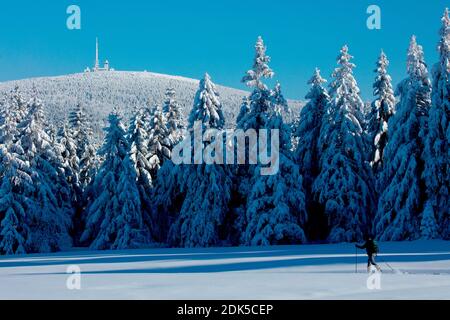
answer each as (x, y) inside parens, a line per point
(372, 249)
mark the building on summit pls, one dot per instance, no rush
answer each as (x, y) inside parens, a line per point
(97, 67)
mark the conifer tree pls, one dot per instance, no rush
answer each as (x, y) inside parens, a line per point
(207, 107)
(382, 109)
(343, 185)
(48, 211)
(307, 131)
(160, 140)
(173, 116)
(114, 217)
(206, 186)
(81, 133)
(67, 151)
(436, 151)
(15, 183)
(138, 138)
(400, 203)
(275, 210)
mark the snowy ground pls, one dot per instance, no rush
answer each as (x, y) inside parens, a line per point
(421, 271)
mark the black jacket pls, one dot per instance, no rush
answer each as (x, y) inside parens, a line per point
(370, 247)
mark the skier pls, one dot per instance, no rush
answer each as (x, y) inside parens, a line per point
(372, 249)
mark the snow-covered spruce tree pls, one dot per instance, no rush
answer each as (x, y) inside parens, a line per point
(279, 100)
(343, 186)
(138, 139)
(13, 227)
(252, 114)
(130, 224)
(18, 104)
(206, 189)
(207, 107)
(275, 210)
(8, 123)
(67, 151)
(307, 130)
(206, 186)
(167, 198)
(65, 196)
(13, 109)
(52, 132)
(173, 116)
(428, 226)
(160, 141)
(245, 108)
(15, 183)
(114, 216)
(48, 208)
(81, 133)
(382, 109)
(402, 198)
(11, 239)
(240, 177)
(167, 195)
(282, 105)
(436, 154)
(88, 164)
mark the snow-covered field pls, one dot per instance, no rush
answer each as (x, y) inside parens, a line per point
(420, 270)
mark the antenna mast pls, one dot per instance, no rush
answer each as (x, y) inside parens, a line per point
(97, 62)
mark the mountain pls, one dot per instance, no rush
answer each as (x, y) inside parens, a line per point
(101, 92)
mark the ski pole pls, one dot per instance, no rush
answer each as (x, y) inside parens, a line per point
(356, 260)
(382, 260)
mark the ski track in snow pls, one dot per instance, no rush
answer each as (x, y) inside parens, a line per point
(282, 272)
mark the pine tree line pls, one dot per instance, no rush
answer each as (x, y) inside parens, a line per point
(345, 170)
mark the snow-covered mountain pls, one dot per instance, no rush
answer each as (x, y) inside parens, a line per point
(101, 92)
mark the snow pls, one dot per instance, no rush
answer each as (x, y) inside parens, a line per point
(279, 272)
(124, 91)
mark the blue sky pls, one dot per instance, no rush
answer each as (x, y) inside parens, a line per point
(187, 38)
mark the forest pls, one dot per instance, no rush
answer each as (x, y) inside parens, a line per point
(347, 169)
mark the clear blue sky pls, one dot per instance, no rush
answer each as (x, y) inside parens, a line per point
(189, 37)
